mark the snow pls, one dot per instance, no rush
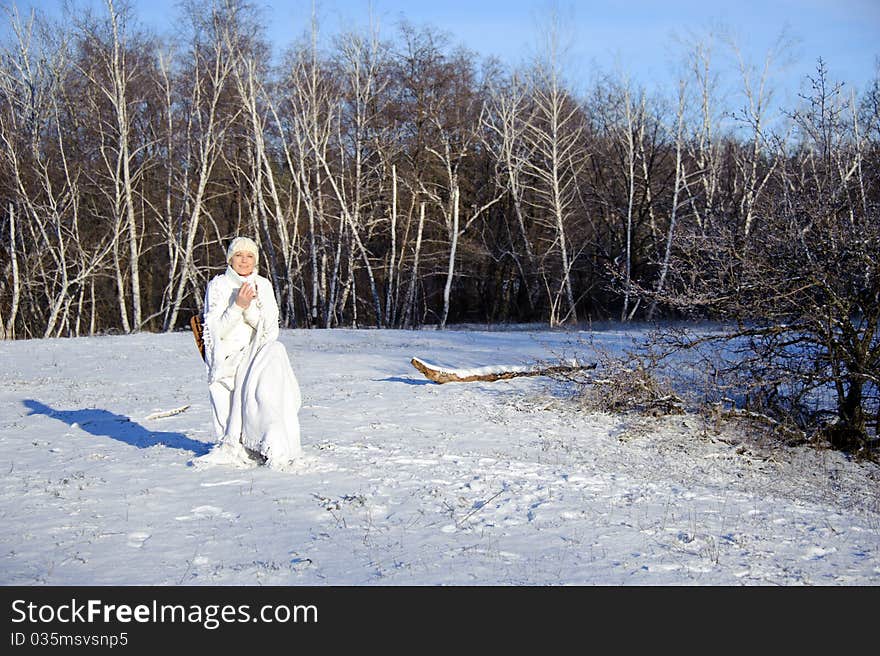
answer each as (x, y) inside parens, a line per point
(403, 481)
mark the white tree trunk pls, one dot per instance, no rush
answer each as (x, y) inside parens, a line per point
(453, 246)
(389, 294)
(210, 138)
(9, 328)
(676, 190)
(409, 310)
(631, 194)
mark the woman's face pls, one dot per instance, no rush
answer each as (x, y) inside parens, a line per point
(243, 263)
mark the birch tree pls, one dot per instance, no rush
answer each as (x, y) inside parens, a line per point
(33, 143)
(111, 71)
(678, 186)
(703, 147)
(553, 135)
(206, 126)
(257, 105)
(458, 132)
(361, 60)
(506, 120)
(303, 121)
(758, 96)
(633, 129)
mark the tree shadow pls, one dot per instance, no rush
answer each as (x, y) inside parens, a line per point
(408, 381)
(103, 423)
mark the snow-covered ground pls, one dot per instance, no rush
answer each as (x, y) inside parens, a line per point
(403, 481)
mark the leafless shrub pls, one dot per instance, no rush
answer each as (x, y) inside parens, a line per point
(632, 387)
(794, 285)
(622, 383)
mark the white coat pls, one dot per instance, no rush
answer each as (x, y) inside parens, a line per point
(255, 396)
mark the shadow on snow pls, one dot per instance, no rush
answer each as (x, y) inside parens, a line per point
(103, 423)
(408, 381)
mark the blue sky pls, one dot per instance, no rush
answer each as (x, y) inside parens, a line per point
(641, 38)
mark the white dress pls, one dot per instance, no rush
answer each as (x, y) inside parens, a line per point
(254, 393)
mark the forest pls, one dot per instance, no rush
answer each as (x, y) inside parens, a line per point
(400, 181)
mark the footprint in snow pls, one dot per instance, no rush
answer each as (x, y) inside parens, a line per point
(204, 512)
(818, 553)
(136, 540)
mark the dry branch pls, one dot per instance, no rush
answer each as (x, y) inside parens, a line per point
(792, 434)
(167, 413)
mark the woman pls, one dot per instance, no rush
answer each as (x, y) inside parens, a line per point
(254, 394)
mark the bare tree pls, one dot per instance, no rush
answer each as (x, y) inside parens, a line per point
(207, 123)
(7, 326)
(456, 141)
(703, 147)
(110, 70)
(62, 260)
(403, 181)
(505, 120)
(304, 124)
(249, 73)
(361, 61)
(408, 320)
(802, 302)
(553, 135)
(676, 204)
(633, 135)
(758, 95)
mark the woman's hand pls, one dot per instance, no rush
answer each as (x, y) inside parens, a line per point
(246, 294)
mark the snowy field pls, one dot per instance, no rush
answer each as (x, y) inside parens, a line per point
(403, 482)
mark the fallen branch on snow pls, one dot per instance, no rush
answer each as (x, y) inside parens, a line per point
(167, 413)
(485, 503)
(441, 375)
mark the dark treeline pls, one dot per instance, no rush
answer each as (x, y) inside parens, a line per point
(393, 183)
